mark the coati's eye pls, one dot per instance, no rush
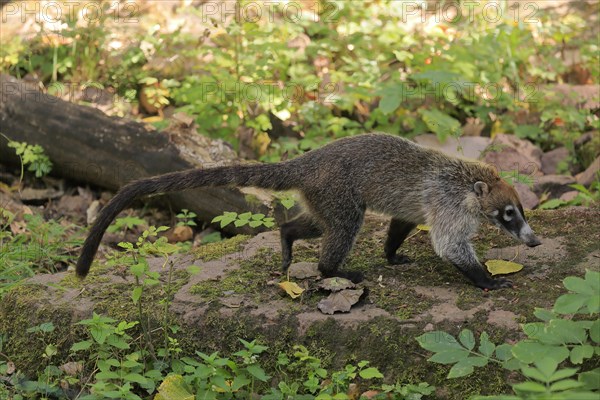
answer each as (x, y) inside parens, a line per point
(509, 212)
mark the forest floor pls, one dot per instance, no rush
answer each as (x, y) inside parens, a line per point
(235, 295)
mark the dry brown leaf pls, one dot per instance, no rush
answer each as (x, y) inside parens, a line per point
(340, 301)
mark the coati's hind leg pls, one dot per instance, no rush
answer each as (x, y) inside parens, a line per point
(338, 240)
(397, 233)
(302, 227)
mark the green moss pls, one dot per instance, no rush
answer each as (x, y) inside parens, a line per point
(250, 278)
(23, 308)
(252, 199)
(214, 251)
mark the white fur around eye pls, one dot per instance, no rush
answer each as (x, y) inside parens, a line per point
(508, 209)
(495, 213)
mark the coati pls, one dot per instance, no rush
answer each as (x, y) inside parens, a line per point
(381, 172)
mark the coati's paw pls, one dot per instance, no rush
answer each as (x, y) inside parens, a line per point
(399, 259)
(494, 284)
(353, 276)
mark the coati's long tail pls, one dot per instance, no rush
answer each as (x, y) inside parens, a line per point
(269, 176)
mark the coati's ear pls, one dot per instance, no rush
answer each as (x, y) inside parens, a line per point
(481, 188)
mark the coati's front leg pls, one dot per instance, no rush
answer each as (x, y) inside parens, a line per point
(397, 233)
(461, 254)
(302, 227)
(463, 257)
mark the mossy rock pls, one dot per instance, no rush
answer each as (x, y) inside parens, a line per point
(235, 296)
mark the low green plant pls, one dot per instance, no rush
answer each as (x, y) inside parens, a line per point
(585, 197)
(547, 359)
(31, 156)
(513, 177)
(186, 218)
(37, 246)
(117, 372)
(247, 218)
(125, 224)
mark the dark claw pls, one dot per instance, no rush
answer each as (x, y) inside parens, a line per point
(399, 259)
(494, 284)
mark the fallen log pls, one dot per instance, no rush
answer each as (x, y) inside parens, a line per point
(86, 145)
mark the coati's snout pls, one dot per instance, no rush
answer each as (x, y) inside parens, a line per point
(512, 220)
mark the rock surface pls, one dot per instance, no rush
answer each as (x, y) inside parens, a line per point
(509, 153)
(554, 185)
(591, 174)
(552, 159)
(528, 198)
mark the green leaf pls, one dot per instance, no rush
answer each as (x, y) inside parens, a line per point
(117, 341)
(255, 224)
(239, 382)
(467, 339)
(240, 222)
(486, 347)
(581, 352)
(391, 98)
(552, 204)
(578, 285)
(590, 379)
(136, 293)
(438, 341)
(546, 366)
(245, 216)
(449, 356)
(137, 378)
(138, 269)
(258, 217)
(593, 304)
(370, 373)
(529, 352)
(534, 373)
(257, 372)
(106, 375)
(595, 331)
(441, 124)
(543, 314)
(566, 384)
(460, 370)
(530, 387)
(562, 374)
(504, 352)
(83, 345)
(593, 278)
(288, 203)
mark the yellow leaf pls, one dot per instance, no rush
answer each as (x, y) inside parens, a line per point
(425, 228)
(149, 120)
(497, 267)
(173, 388)
(291, 288)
